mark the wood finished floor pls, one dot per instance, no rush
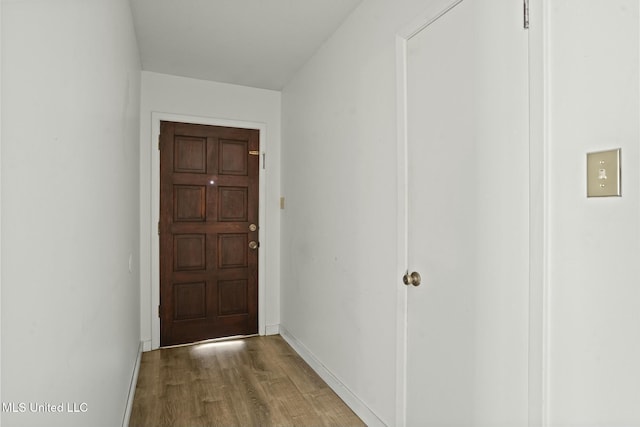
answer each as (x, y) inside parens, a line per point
(257, 381)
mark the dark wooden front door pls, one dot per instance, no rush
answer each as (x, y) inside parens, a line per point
(208, 232)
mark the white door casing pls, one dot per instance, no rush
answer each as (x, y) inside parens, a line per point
(156, 118)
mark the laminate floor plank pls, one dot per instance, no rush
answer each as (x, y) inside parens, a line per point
(257, 381)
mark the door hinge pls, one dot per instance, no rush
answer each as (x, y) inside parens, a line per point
(159, 312)
(264, 161)
(525, 5)
(158, 228)
(159, 139)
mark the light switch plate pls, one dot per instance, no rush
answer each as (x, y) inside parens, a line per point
(603, 174)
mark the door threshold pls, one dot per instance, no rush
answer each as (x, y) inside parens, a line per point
(212, 340)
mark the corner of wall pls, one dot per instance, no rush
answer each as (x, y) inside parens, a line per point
(132, 387)
(354, 402)
(272, 329)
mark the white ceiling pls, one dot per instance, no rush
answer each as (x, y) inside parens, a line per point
(258, 43)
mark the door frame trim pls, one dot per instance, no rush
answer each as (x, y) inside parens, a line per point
(156, 118)
(539, 217)
(538, 364)
(402, 39)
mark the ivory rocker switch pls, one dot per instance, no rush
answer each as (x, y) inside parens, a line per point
(603, 174)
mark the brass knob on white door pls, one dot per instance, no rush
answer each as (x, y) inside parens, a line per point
(412, 278)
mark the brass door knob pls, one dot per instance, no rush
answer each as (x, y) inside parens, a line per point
(253, 245)
(253, 227)
(412, 278)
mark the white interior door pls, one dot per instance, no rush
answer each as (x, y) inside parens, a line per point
(467, 217)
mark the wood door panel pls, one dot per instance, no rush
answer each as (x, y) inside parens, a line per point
(231, 160)
(232, 250)
(190, 301)
(208, 199)
(232, 297)
(189, 203)
(233, 204)
(190, 155)
(189, 252)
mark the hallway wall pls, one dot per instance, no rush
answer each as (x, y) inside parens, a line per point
(594, 244)
(70, 230)
(339, 259)
(338, 227)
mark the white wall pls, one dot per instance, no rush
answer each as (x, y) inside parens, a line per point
(339, 259)
(338, 275)
(594, 244)
(0, 207)
(205, 100)
(70, 114)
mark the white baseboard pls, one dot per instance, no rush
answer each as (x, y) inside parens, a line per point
(132, 387)
(272, 330)
(358, 406)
